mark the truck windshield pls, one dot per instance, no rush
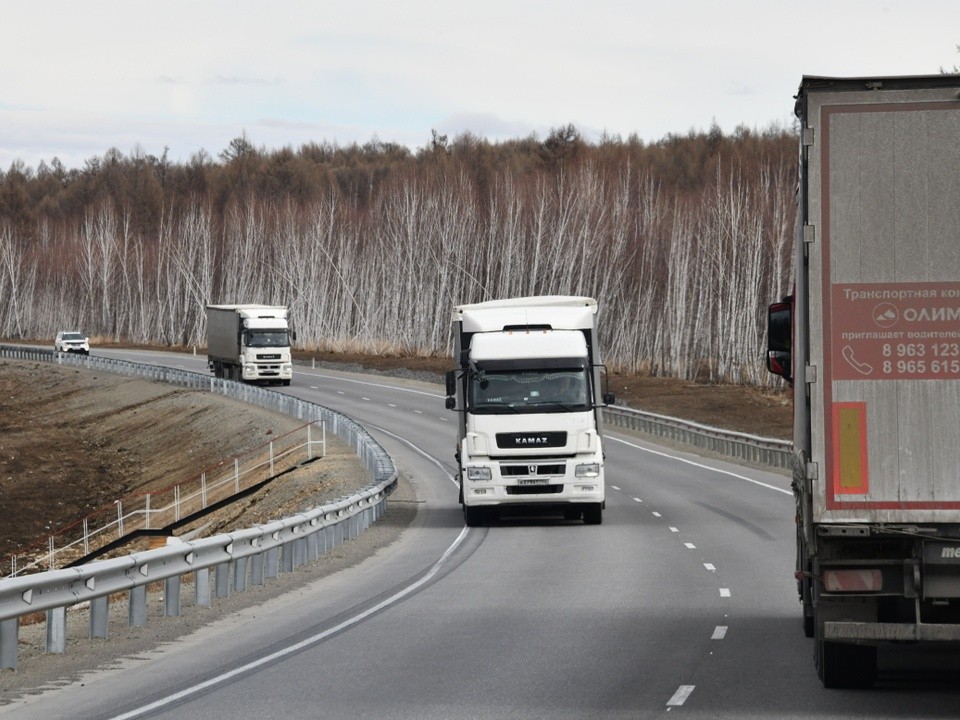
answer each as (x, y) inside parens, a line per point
(268, 338)
(529, 391)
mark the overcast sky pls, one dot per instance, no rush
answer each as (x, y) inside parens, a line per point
(78, 77)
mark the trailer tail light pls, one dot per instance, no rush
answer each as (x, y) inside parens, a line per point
(852, 581)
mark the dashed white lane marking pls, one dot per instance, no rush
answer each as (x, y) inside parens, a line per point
(673, 529)
(637, 500)
(719, 632)
(710, 567)
(656, 514)
(724, 592)
(690, 546)
(365, 399)
(681, 695)
(314, 387)
(419, 412)
(391, 404)
(615, 487)
(340, 392)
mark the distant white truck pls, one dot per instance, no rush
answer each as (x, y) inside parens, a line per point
(870, 340)
(528, 394)
(249, 343)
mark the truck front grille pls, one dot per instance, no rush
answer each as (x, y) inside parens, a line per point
(534, 490)
(532, 470)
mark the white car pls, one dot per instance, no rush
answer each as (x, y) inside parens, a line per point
(72, 342)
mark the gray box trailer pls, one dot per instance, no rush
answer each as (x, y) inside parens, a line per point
(870, 339)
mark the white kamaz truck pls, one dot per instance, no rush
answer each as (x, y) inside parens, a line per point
(870, 339)
(527, 392)
(249, 343)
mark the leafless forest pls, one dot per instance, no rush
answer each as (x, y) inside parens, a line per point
(683, 242)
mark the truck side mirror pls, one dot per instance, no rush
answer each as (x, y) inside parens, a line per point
(451, 378)
(779, 338)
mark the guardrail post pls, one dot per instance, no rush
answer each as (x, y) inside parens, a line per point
(56, 630)
(201, 587)
(223, 580)
(240, 574)
(313, 551)
(273, 562)
(256, 569)
(171, 596)
(9, 643)
(137, 609)
(99, 613)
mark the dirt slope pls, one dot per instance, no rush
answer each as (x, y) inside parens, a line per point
(74, 440)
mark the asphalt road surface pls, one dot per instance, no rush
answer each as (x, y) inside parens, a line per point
(682, 603)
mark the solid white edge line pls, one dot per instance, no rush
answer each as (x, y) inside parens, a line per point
(701, 465)
(350, 622)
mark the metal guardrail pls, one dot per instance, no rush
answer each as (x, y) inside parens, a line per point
(740, 446)
(244, 557)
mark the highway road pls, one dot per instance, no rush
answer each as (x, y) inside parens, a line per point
(682, 603)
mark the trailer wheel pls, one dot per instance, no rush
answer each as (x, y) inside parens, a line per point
(840, 665)
(593, 514)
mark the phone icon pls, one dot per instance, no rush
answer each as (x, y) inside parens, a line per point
(860, 367)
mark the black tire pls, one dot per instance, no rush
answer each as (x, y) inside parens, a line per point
(285, 383)
(593, 514)
(473, 517)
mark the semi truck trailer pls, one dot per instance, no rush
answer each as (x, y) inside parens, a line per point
(250, 343)
(527, 390)
(869, 338)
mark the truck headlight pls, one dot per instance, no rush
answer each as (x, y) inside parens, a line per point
(479, 473)
(588, 470)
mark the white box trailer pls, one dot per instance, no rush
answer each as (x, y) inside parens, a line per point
(249, 343)
(527, 389)
(871, 341)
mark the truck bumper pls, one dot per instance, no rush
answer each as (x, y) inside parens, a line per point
(867, 632)
(267, 373)
(558, 491)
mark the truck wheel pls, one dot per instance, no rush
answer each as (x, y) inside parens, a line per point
(473, 517)
(840, 665)
(593, 514)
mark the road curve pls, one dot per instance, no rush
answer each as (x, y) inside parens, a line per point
(681, 602)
